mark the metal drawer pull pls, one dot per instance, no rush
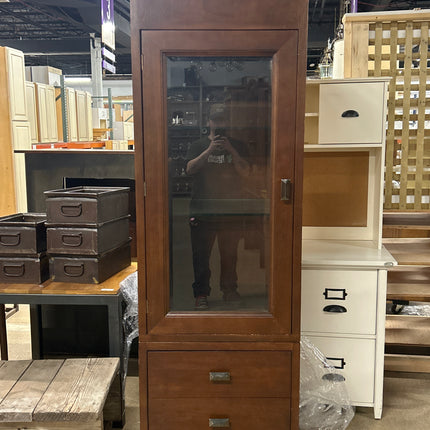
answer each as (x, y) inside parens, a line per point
(71, 239)
(14, 270)
(219, 376)
(286, 188)
(74, 270)
(341, 365)
(350, 113)
(5, 239)
(335, 308)
(334, 377)
(335, 294)
(71, 210)
(220, 423)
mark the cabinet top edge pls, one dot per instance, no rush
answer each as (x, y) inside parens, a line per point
(310, 81)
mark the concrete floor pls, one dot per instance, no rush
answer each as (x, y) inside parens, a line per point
(406, 396)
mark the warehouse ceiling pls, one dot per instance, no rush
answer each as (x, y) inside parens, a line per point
(57, 32)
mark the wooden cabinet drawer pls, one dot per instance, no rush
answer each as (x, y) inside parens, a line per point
(238, 414)
(351, 113)
(179, 374)
(354, 359)
(339, 301)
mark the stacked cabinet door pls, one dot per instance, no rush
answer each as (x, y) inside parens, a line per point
(219, 141)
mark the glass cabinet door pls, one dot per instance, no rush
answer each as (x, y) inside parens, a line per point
(219, 149)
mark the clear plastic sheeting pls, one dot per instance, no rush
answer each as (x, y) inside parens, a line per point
(130, 318)
(324, 401)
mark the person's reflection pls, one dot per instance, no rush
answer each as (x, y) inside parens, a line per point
(217, 164)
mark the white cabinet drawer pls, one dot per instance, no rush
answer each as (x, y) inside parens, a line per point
(354, 360)
(339, 301)
(351, 113)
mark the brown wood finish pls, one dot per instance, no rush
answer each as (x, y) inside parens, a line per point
(175, 335)
(280, 44)
(327, 200)
(3, 334)
(243, 414)
(179, 374)
(109, 287)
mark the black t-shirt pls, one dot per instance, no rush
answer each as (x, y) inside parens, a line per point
(218, 178)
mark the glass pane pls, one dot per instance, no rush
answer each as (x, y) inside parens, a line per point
(219, 144)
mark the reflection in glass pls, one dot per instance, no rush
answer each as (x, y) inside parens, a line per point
(218, 121)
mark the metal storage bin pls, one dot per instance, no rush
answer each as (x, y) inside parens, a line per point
(86, 205)
(24, 270)
(87, 239)
(89, 270)
(23, 234)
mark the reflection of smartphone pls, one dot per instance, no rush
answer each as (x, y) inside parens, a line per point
(220, 132)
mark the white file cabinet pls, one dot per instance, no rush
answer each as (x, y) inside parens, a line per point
(344, 265)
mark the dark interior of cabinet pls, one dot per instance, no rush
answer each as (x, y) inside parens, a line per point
(335, 189)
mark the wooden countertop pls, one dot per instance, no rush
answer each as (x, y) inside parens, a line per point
(110, 287)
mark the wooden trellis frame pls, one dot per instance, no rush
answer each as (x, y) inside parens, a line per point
(397, 44)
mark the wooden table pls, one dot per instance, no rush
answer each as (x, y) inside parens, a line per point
(106, 293)
(78, 394)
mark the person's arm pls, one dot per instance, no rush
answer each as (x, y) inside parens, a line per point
(240, 164)
(194, 165)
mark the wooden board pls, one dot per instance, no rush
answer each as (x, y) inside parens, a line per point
(408, 292)
(18, 405)
(110, 286)
(407, 363)
(407, 330)
(78, 391)
(327, 184)
(409, 251)
(10, 372)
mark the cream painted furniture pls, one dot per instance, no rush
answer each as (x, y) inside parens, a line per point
(15, 131)
(123, 130)
(32, 111)
(84, 116)
(72, 121)
(46, 113)
(344, 265)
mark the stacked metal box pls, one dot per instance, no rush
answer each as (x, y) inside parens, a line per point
(87, 233)
(23, 258)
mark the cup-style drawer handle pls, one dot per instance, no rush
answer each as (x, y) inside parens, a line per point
(219, 376)
(71, 239)
(335, 308)
(350, 113)
(10, 239)
(220, 423)
(74, 270)
(71, 210)
(14, 270)
(333, 377)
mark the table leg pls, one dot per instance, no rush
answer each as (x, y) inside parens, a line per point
(3, 334)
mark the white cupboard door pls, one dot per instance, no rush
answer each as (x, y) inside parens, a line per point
(21, 135)
(354, 360)
(89, 116)
(351, 113)
(20, 182)
(42, 120)
(51, 114)
(128, 131)
(71, 115)
(81, 116)
(16, 78)
(32, 111)
(333, 301)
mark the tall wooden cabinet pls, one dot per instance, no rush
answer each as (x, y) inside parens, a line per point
(196, 65)
(15, 131)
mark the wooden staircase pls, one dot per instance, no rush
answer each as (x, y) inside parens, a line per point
(407, 337)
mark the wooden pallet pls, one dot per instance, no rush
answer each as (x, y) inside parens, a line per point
(56, 394)
(396, 44)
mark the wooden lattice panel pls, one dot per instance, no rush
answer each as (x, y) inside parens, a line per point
(397, 45)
